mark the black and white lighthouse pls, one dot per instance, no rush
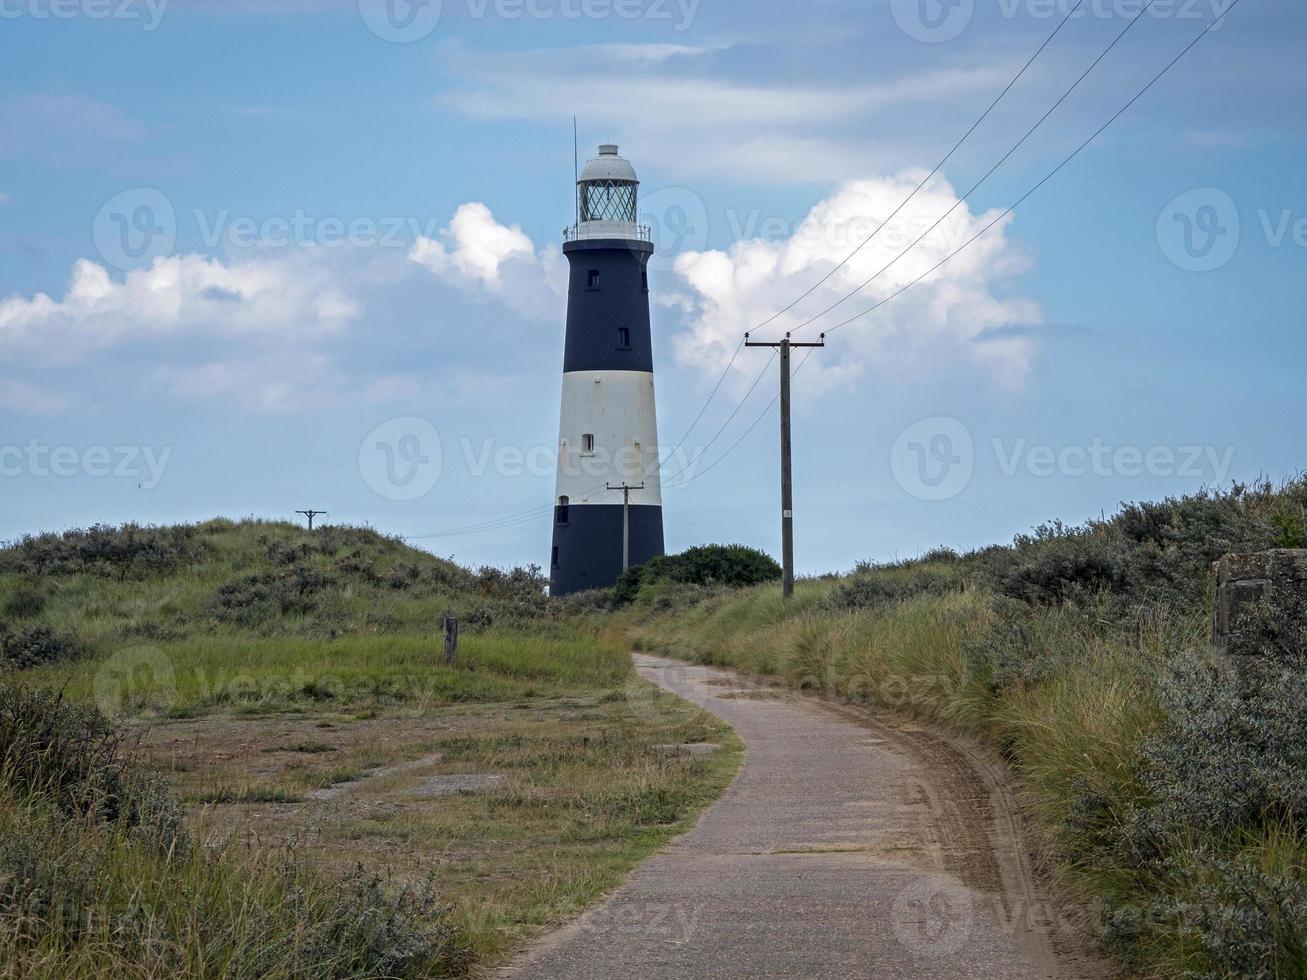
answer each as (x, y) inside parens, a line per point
(608, 499)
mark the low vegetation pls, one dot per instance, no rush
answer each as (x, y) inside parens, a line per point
(233, 749)
(1172, 790)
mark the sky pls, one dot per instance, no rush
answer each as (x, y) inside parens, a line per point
(259, 256)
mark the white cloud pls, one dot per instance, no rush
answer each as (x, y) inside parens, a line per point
(261, 300)
(954, 314)
(6, 200)
(479, 255)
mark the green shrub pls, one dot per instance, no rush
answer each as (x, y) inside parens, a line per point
(129, 551)
(71, 755)
(714, 564)
(35, 646)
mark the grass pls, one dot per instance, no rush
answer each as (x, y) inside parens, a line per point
(1060, 651)
(253, 666)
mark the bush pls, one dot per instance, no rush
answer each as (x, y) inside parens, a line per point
(252, 599)
(34, 646)
(71, 755)
(715, 564)
(122, 552)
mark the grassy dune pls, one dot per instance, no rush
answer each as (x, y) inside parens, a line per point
(234, 778)
(1171, 794)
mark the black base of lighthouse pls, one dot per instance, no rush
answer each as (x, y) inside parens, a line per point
(588, 548)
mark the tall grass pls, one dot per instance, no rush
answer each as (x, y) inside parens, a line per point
(1173, 799)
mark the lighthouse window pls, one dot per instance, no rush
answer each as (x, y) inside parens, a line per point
(623, 338)
(592, 282)
(644, 280)
(564, 509)
(588, 443)
(554, 558)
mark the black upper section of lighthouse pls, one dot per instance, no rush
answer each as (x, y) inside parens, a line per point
(608, 306)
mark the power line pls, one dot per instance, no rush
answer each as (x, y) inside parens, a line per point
(1117, 115)
(939, 166)
(529, 515)
(1051, 174)
(977, 185)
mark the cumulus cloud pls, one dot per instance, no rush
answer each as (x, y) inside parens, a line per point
(479, 255)
(263, 299)
(954, 314)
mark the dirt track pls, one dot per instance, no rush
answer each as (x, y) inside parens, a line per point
(852, 844)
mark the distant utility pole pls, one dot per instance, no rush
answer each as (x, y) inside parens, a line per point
(310, 514)
(787, 482)
(626, 489)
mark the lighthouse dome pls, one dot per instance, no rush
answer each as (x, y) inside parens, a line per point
(607, 199)
(609, 166)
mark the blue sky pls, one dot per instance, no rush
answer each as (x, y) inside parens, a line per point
(347, 292)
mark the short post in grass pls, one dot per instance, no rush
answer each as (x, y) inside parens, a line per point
(451, 639)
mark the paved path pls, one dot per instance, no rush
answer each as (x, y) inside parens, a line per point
(846, 847)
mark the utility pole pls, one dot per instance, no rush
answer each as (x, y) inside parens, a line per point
(310, 514)
(787, 482)
(626, 489)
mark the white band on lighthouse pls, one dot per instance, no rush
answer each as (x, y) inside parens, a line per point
(608, 435)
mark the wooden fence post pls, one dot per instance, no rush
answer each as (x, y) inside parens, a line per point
(451, 639)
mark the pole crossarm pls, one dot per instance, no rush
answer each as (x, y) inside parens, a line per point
(785, 342)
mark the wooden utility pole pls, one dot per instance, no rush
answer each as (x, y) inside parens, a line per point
(310, 514)
(626, 489)
(787, 481)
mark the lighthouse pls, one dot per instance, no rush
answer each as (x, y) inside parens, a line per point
(608, 497)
